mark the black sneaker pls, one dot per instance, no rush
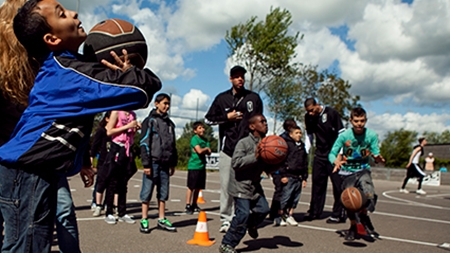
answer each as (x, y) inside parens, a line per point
(196, 209)
(188, 209)
(351, 233)
(253, 232)
(144, 228)
(166, 225)
(225, 248)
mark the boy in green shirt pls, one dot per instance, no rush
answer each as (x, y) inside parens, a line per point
(196, 167)
(358, 145)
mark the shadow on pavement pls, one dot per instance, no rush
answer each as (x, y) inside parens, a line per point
(269, 243)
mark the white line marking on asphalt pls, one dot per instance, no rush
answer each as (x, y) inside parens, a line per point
(412, 202)
(437, 195)
(381, 237)
(175, 200)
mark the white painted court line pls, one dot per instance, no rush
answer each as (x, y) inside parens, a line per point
(381, 237)
(412, 202)
(436, 195)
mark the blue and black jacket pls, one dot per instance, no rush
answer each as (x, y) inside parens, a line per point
(53, 132)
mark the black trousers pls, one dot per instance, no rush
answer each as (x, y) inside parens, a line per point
(322, 169)
(275, 206)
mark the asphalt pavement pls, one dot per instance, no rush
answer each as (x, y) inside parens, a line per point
(406, 222)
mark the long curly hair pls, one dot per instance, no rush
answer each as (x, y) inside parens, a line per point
(17, 70)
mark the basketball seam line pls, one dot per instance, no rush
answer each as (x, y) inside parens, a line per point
(119, 45)
(117, 23)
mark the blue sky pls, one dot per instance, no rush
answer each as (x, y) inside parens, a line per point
(396, 54)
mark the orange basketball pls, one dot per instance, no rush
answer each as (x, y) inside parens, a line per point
(273, 149)
(353, 199)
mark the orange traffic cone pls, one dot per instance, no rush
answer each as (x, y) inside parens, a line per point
(201, 236)
(200, 199)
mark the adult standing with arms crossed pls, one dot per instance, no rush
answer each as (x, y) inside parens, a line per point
(231, 110)
(325, 124)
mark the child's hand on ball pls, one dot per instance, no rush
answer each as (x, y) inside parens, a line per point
(120, 64)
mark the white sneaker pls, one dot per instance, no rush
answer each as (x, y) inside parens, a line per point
(93, 206)
(403, 190)
(291, 221)
(110, 219)
(225, 226)
(421, 192)
(97, 211)
(127, 219)
(283, 223)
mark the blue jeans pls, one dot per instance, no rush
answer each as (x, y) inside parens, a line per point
(66, 220)
(159, 177)
(27, 204)
(291, 193)
(248, 213)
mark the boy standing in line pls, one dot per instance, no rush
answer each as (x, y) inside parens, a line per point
(251, 206)
(276, 179)
(53, 132)
(196, 167)
(358, 145)
(159, 158)
(293, 175)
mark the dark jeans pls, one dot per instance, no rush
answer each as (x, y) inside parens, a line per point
(28, 206)
(291, 194)
(322, 169)
(248, 213)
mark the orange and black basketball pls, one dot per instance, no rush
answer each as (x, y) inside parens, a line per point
(115, 35)
(353, 199)
(273, 149)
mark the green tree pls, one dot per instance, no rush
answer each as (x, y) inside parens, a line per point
(264, 47)
(436, 138)
(397, 146)
(183, 143)
(267, 49)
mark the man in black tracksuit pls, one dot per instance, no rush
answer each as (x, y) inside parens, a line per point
(231, 110)
(325, 124)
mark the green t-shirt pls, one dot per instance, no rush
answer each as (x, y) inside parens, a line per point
(197, 162)
(357, 149)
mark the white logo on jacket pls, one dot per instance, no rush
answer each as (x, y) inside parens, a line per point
(249, 106)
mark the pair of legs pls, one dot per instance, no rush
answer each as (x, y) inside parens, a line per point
(275, 206)
(191, 196)
(248, 214)
(28, 206)
(158, 178)
(196, 181)
(226, 201)
(289, 198)
(322, 169)
(414, 170)
(363, 181)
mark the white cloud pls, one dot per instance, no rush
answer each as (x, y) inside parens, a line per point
(411, 121)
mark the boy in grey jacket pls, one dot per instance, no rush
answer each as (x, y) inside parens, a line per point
(246, 188)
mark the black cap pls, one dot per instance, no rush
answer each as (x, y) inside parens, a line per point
(237, 69)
